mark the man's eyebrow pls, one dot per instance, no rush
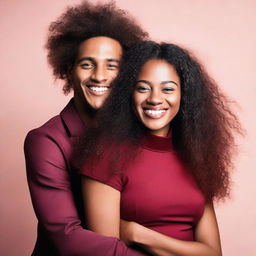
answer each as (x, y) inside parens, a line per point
(85, 58)
(93, 59)
(169, 81)
(113, 59)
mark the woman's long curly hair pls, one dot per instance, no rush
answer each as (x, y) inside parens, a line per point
(202, 131)
(83, 22)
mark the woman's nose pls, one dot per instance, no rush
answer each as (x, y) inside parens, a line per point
(155, 98)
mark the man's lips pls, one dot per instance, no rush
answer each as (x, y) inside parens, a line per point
(154, 113)
(97, 90)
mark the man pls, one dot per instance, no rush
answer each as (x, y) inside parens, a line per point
(85, 46)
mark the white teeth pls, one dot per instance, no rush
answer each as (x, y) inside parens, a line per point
(155, 112)
(99, 89)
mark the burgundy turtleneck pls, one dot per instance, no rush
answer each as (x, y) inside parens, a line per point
(156, 189)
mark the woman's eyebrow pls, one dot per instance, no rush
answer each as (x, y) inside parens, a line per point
(143, 81)
(163, 82)
(169, 81)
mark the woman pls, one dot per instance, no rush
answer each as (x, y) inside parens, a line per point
(166, 145)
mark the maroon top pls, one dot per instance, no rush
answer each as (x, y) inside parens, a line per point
(55, 191)
(156, 189)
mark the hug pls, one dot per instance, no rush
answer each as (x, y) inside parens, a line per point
(132, 165)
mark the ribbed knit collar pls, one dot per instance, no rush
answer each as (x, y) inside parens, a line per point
(157, 143)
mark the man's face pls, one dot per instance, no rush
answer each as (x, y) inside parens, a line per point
(96, 66)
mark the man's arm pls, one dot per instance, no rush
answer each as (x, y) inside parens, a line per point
(54, 205)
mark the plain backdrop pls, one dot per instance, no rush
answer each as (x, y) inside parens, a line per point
(221, 33)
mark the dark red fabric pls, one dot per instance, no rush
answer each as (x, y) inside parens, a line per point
(55, 191)
(156, 189)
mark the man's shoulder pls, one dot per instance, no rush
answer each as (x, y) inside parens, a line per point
(53, 127)
(49, 141)
(56, 132)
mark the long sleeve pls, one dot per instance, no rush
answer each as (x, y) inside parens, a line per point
(53, 202)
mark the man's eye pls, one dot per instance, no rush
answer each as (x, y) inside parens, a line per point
(87, 65)
(113, 66)
(168, 90)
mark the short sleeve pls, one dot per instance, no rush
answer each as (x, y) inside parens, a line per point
(102, 170)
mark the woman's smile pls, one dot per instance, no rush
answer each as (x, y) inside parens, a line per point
(156, 96)
(154, 113)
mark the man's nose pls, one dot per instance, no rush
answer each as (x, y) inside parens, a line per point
(99, 75)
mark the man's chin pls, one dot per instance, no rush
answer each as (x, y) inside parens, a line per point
(95, 105)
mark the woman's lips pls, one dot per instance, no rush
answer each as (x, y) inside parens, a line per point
(154, 113)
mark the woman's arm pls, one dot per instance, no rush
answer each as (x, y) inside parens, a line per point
(101, 207)
(207, 241)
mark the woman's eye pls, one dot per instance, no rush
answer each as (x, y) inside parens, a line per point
(87, 65)
(142, 89)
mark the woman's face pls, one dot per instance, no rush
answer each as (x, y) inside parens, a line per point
(156, 96)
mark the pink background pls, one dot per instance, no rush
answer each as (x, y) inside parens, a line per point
(221, 33)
